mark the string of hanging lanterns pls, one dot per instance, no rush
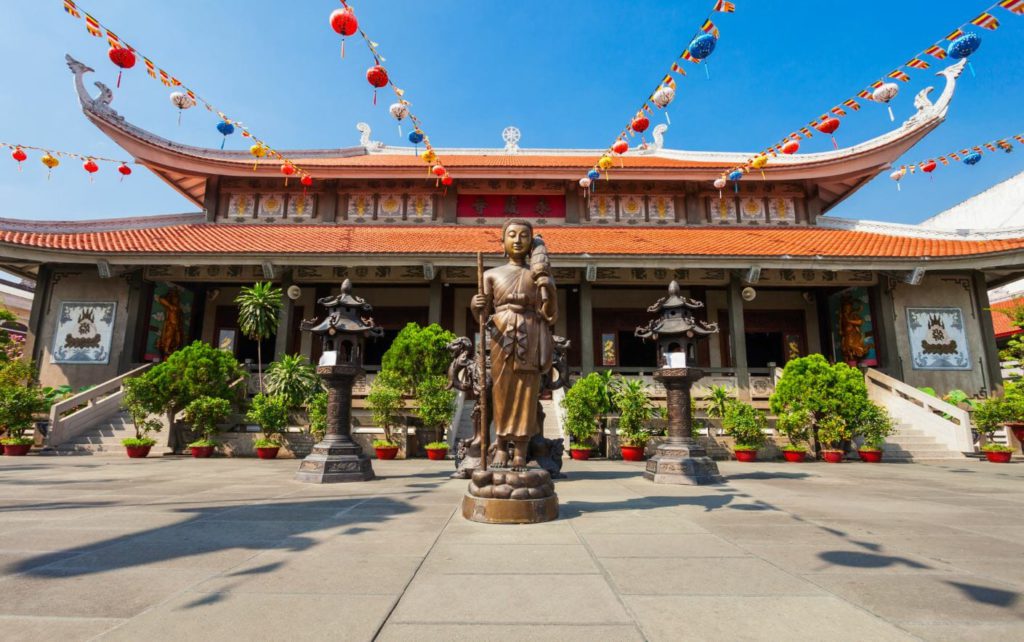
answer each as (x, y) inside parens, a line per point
(50, 158)
(700, 47)
(958, 44)
(345, 23)
(124, 56)
(969, 156)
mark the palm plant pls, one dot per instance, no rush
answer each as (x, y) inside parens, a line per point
(293, 378)
(259, 309)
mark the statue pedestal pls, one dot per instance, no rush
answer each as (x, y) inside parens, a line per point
(337, 458)
(506, 497)
(680, 460)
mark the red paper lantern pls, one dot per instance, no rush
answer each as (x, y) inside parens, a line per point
(306, 180)
(790, 147)
(91, 167)
(640, 124)
(287, 169)
(344, 22)
(928, 167)
(447, 180)
(378, 77)
(125, 170)
(620, 146)
(829, 126)
(438, 170)
(123, 57)
(19, 155)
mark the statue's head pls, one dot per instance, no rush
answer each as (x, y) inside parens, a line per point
(517, 238)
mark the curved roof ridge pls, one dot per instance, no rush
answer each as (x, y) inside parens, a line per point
(35, 226)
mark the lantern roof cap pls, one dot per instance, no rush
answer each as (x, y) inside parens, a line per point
(674, 300)
(345, 298)
(353, 319)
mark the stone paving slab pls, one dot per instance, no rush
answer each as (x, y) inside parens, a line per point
(226, 549)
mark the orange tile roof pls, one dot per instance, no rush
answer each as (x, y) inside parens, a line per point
(1001, 323)
(208, 238)
(453, 161)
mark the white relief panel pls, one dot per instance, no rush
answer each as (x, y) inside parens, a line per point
(360, 208)
(662, 210)
(752, 211)
(782, 210)
(723, 210)
(602, 208)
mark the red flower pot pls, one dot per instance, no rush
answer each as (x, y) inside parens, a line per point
(795, 456)
(270, 452)
(833, 456)
(745, 455)
(137, 452)
(437, 454)
(870, 456)
(580, 453)
(993, 456)
(17, 450)
(386, 453)
(632, 453)
(1018, 431)
(201, 452)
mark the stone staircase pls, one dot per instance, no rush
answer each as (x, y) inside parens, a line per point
(551, 428)
(914, 444)
(102, 439)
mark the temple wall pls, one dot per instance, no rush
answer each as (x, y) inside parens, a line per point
(941, 291)
(82, 284)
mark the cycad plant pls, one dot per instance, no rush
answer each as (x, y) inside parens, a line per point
(293, 378)
(259, 309)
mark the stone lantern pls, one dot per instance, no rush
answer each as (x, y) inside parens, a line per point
(680, 459)
(344, 332)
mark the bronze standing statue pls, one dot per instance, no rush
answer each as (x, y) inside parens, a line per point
(522, 302)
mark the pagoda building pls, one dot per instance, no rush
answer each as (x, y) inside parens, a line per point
(780, 277)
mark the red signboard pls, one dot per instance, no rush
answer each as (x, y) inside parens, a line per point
(501, 206)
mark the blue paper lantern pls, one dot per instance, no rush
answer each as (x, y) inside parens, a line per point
(964, 46)
(735, 175)
(593, 175)
(702, 46)
(225, 128)
(972, 158)
(415, 138)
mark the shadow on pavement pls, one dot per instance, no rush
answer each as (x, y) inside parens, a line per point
(987, 594)
(857, 559)
(708, 502)
(767, 475)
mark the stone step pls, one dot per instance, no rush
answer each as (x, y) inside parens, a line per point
(912, 442)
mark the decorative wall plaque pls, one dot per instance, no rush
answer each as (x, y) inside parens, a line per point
(723, 210)
(360, 208)
(242, 206)
(300, 206)
(271, 206)
(662, 209)
(632, 209)
(781, 210)
(420, 208)
(938, 340)
(84, 332)
(389, 208)
(602, 208)
(752, 211)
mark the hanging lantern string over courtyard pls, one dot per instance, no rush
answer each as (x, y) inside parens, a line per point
(702, 43)
(958, 44)
(345, 23)
(51, 158)
(967, 156)
(184, 97)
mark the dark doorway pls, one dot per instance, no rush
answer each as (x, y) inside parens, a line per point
(636, 353)
(229, 336)
(764, 348)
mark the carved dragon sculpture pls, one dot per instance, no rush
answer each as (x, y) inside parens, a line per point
(364, 137)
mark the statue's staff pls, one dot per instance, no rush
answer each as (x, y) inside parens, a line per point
(482, 365)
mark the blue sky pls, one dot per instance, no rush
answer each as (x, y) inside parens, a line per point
(567, 73)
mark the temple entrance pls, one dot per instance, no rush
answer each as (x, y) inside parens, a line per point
(765, 348)
(770, 337)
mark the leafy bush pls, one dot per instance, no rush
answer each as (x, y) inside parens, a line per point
(437, 445)
(418, 353)
(18, 405)
(142, 398)
(270, 412)
(635, 411)
(584, 403)
(204, 414)
(989, 415)
(435, 404)
(385, 400)
(384, 443)
(833, 431)
(796, 426)
(317, 409)
(745, 424)
(992, 447)
(293, 378)
(874, 425)
(718, 401)
(197, 370)
(811, 384)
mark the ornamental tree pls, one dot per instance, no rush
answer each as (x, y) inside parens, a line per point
(259, 312)
(418, 353)
(435, 404)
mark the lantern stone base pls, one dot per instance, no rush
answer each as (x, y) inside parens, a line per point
(683, 465)
(510, 497)
(335, 463)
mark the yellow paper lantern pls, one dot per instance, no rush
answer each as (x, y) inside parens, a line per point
(50, 163)
(258, 150)
(605, 163)
(429, 156)
(759, 162)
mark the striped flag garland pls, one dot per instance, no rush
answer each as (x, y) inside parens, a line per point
(953, 36)
(864, 93)
(71, 9)
(943, 160)
(92, 26)
(112, 39)
(709, 27)
(937, 52)
(1013, 6)
(852, 104)
(686, 56)
(728, 7)
(679, 70)
(806, 132)
(986, 21)
(917, 63)
(838, 111)
(899, 75)
(150, 67)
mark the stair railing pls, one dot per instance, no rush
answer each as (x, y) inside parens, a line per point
(946, 423)
(75, 415)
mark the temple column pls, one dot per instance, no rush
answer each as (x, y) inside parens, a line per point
(738, 338)
(586, 328)
(40, 300)
(211, 199)
(135, 325)
(884, 319)
(434, 311)
(286, 318)
(991, 368)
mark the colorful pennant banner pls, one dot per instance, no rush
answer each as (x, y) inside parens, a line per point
(664, 93)
(966, 155)
(189, 97)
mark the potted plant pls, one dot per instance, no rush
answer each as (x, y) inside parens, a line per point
(270, 413)
(435, 406)
(583, 405)
(204, 414)
(989, 415)
(635, 410)
(316, 408)
(141, 398)
(437, 450)
(832, 432)
(796, 426)
(18, 405)
(293, 378)
(875, 425)
(259, 312)
(746, 425)
(385, 400)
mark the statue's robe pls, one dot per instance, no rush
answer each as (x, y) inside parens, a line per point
(521, 349)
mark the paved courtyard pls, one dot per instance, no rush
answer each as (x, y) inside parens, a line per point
(225, 549)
